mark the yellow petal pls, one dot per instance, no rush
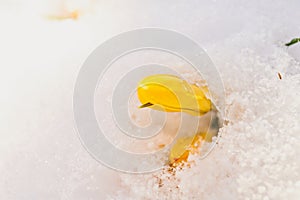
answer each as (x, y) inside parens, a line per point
(182, 149)
(171, 94)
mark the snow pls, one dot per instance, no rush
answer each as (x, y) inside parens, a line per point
(257, 157)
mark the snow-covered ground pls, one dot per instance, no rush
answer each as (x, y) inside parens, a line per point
(257, 157)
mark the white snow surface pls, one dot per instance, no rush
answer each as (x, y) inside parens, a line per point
(257, 157)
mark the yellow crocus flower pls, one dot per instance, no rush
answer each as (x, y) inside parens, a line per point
(169, 93)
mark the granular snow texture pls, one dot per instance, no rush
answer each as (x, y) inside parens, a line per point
(257, 156)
